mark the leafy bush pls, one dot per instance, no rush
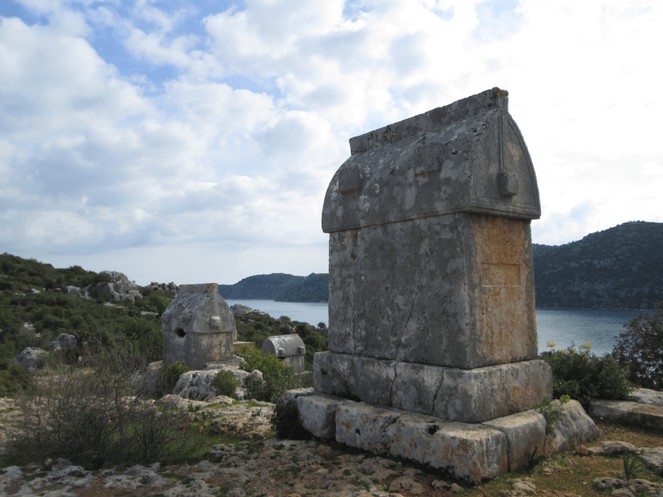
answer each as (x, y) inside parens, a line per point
(168, 376)
(14, 379)
(639, 349)
(225, 383)
(277, 376)
(256, 388)
(584, 376)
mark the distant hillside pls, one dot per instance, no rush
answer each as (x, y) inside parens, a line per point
(262, 286)
(313, 288)
(619, 268)
(280, 287)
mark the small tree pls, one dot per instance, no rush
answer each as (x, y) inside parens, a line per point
(640, 349)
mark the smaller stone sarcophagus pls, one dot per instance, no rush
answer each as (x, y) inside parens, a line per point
(198, 327)
(288, 348)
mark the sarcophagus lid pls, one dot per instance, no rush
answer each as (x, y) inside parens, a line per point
(468, 156)
(284, 345)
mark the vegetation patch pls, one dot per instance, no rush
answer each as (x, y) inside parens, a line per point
(168, 376)
(639, 349)
(276, 376)
(584, 376)
(256, 327)
(94, 418)
(225, 383)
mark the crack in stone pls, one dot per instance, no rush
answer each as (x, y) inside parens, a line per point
(435, 397)
(399, 343)
(385, 428)
(393, 382)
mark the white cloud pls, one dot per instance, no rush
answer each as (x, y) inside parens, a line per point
(156, 129)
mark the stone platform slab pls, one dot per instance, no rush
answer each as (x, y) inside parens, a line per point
(466, 395)
(646, 396)
(627, 412)
(470, 452)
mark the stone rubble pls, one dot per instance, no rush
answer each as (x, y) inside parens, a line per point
(631, 488)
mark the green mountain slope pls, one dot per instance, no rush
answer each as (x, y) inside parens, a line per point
(619, 268)
(313, 288)
(262, 286)
(280, 287)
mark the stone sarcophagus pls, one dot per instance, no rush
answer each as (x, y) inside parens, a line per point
(287, 348)
(432, 333)
(431, 288)
(198, 327)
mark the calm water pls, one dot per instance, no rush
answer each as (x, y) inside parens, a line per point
(564, 327)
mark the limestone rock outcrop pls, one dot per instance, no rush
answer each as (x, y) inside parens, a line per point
(64, 341)
(117, 288)
(30, 358)
(197, 385)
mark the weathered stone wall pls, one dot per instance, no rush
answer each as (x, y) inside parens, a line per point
(452, 291)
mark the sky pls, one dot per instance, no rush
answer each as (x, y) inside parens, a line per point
(193, 141)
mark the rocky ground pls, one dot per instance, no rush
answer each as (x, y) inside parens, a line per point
(269, 468)
(260, 465)
(263, 466)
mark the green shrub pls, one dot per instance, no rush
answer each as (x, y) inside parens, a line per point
(256, 388)
(14, 379)
(632, 465)
(225, 383)
(584, 376)
(277, 376)
(168, 376)
(639, 349)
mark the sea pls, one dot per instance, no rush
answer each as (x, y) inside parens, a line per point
(595, 330)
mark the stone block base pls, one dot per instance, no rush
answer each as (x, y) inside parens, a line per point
(468, 452)
(466, 395)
